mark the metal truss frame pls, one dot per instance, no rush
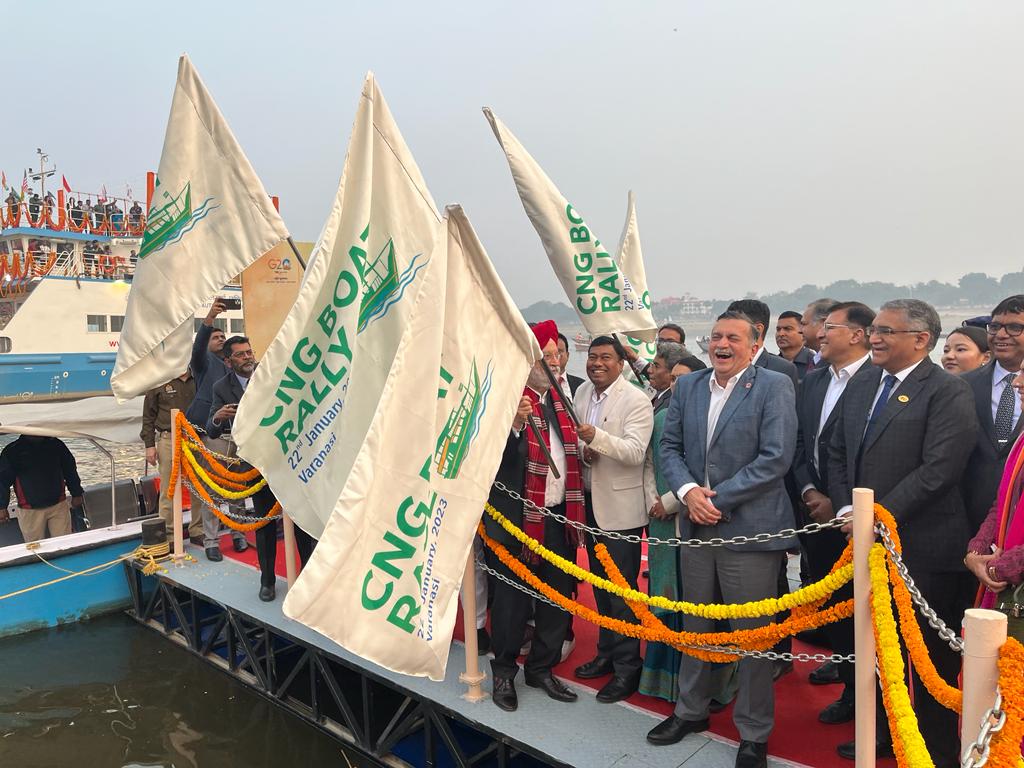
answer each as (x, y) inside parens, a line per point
(352, 704)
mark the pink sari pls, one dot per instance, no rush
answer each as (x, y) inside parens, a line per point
(1010, 503)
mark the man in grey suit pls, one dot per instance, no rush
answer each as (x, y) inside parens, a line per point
(997, 407)
(906, 431)
(728, 442)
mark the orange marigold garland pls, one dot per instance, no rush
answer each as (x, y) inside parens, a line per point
(198, 486)
(1004, 749)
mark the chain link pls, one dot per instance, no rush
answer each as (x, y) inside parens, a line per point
(758, 538)
(976, 755)
(947, 634)
(238, 518)
(815, 657)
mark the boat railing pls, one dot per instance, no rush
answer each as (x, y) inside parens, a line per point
(60, 216)
(17, 267)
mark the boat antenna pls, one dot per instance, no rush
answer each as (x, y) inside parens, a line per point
(43, 171)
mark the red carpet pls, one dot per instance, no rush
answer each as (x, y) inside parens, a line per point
(798, 736)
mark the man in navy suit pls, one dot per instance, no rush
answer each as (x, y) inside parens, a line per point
(728, 442)
(843, 339)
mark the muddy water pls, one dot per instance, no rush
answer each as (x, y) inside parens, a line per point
(111, 694)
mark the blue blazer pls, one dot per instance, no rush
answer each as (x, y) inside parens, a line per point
(747, 459)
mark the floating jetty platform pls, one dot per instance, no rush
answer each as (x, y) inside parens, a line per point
(395, 720)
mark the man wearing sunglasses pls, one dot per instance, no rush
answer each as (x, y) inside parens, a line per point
(906, 431)
(998, 408)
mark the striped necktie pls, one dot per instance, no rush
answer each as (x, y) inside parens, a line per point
(1004, 411)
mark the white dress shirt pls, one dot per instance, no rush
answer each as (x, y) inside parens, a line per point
(594, 410)
(836, 386)
(998, 385)
(719, 397)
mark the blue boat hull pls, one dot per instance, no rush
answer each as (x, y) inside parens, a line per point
(63, 376)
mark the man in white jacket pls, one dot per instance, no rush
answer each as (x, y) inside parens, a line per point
(617, 420)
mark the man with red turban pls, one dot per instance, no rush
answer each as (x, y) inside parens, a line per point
(525, 470)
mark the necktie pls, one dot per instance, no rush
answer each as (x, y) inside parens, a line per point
(1004, 411)
(888, 383)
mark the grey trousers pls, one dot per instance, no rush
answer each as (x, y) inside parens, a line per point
(743, 577)
(212, 526)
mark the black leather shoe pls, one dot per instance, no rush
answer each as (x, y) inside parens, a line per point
(780, 668)
(594, 668)
(826, 674)
(553, 687)
(848, 750)
(213, 554)
(618, 688)
(672, 730)
(504, 694)
(483, 642)
(839, 711)
(197, 540)
(240, 545)
(752, 754)
(717, 706)
(267, 594)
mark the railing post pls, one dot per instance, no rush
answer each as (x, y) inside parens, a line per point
(472, 676)
(179, 539)
(984, 635)
(864, 638)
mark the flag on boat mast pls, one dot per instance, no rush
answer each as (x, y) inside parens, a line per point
(64, 183)
(605, 301)
(384, 578)
(210, 218)
(24, 185)
(313, 396)
(3, 180)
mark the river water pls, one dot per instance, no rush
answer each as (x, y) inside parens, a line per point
(109, 693)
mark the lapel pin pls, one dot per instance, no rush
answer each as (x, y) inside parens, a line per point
(903, 399)
(747, 385)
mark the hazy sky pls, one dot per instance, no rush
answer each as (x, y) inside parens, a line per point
(769, 144)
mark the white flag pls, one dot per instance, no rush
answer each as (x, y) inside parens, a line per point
(210, 218)
(589, 275)
(634, 276)
(384, 579)
(311, 400)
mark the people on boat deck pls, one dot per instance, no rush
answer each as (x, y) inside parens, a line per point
(208, 366)
(227, 392)
(39, 469)
(156, 437)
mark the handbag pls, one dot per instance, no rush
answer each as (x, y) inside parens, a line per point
(1013, 606)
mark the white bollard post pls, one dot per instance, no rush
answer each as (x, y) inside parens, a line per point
(179, 539)
(984, 635)
(289, 549)
(864, 638)
(472, 676)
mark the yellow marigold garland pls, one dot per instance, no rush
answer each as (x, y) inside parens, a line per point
(1004, 749)
(189, 433)
(760, 638)
(810, 594)
(211, 483)
(215, 507)
(908, 744)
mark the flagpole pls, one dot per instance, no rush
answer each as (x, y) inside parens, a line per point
(472, 676)
(179, 539)
(543, 447)
(566, 401)
(302, 261)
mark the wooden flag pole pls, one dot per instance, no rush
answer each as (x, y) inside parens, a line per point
(472, 676)
(543, 446)
(863, 631)
(179, 539)
(289, 548)
(566, 401)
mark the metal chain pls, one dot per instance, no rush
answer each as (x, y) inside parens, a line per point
(947, 634)
(634, 538)
(238, 518)
(815, 657)
(976, 755)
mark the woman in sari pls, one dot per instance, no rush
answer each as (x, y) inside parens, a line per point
(996, 553)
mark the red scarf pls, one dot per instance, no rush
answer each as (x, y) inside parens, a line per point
(537, 471)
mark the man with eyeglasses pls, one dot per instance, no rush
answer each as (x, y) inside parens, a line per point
(998, 408)
(845, 349)
(906, 431)
(226, 394)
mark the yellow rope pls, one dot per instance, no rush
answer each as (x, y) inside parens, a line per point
(804, 596)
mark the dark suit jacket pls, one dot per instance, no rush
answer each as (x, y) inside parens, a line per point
(985, 467)
(913, 459)
(804, 362)
(780, 365)
(226, 390)
(809, 399)
(512, 472)
(574, 383)
(207, 368)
